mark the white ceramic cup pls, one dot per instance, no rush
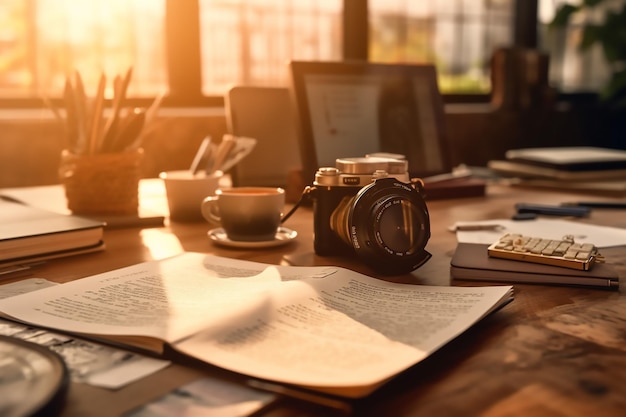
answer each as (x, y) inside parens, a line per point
(185, 192)
(249, 214)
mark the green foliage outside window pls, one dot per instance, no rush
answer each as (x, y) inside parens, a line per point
(610, 34)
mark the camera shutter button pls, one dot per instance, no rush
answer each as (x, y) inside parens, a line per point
(328, 171)
(379, 173)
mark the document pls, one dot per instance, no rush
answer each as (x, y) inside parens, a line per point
(328, 329)
(211, 397)
(488, 231)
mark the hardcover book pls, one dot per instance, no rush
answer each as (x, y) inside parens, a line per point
(567, 164)
(28, 232)
(571, 158)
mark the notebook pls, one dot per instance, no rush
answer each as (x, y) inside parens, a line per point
(471, 262)
(571, 158)
(28, 233)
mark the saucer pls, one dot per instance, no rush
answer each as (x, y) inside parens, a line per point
(283, 236)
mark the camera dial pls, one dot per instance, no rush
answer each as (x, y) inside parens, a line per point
(369, 164)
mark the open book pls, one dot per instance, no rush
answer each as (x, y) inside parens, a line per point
(323, 328)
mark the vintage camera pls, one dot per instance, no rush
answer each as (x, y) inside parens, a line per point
(368, 206)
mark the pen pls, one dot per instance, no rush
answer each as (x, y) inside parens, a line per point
(545, 209)
(201, 154)
(477, 227)
(298, 394)
(598, 204)
(221, 153)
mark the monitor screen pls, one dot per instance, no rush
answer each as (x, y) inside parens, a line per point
(351, 109)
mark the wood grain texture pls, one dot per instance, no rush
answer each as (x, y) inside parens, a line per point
(554, 351)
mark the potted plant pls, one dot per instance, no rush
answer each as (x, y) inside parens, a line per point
(610, 34)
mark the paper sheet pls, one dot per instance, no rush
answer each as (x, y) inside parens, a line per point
(207, 397)
(601, 236)
(88, 362)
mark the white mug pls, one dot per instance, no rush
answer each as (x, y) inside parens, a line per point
(186, 191)
(246, 213)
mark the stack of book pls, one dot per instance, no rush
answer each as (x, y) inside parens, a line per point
(29, 234)
(573, 168)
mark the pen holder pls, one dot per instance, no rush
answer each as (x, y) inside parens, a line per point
(104, 183)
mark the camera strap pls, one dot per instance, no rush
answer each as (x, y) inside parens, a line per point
(306, 194)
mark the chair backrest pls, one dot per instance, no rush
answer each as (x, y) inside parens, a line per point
(267, 115)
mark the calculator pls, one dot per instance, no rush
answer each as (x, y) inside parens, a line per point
(563, 252)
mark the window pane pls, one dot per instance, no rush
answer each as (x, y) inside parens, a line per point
(249, 42)
(570, 69)
(45, 40)
(459, 36)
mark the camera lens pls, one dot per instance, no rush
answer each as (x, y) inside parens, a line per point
(396, 226)
(387, 224)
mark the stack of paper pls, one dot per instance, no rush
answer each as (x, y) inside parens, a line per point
(574, 168)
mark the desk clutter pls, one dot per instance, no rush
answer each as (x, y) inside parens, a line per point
(233, 314)
(472, 262)
(583, 168)
(273, 327)
(535, 251)
(323, 333)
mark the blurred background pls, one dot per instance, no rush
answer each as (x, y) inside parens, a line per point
(193, 51)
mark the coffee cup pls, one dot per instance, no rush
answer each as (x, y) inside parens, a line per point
(186, 191)
(250, 214)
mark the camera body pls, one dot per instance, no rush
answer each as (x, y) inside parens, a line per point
(368, 206)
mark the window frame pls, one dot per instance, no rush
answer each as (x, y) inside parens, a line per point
(182, 28)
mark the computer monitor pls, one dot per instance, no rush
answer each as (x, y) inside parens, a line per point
(355, 108)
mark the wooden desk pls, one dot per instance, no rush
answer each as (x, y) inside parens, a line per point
(555, 351)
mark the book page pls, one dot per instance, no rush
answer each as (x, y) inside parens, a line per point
(167, 299)
(343, 330)
(315, 326)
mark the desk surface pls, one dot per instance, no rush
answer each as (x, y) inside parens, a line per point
(553, 351)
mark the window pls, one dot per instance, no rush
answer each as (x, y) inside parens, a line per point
(570, 69)
(250, 42)
(458, 35)
(44, 40)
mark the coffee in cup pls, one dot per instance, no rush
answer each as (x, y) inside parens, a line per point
(249, 214)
